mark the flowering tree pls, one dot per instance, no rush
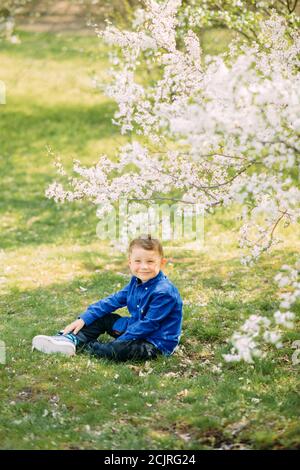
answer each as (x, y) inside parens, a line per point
(8, 11)
(241, 16)
(217, 130)
(225, 129)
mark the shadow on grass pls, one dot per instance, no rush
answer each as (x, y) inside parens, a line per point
(41, 222)
(61, 47)
(67, 128)
(26, 172)
(59, 302)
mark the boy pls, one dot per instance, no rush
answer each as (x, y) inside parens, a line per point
(155, 306)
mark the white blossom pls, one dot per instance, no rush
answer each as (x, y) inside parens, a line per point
(249, 340)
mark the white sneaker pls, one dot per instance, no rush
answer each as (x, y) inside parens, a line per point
(54, 344)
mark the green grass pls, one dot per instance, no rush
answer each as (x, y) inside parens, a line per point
(48, 252)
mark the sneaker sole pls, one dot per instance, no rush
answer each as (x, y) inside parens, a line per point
(49, 345)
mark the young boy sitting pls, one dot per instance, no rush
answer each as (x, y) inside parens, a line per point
(155, 306)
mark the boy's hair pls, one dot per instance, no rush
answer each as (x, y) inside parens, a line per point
(147, 243)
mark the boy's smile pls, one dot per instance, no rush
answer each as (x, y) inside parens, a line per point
(145, 264)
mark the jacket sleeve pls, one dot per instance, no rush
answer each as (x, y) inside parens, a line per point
(160, 307)
(104, 306)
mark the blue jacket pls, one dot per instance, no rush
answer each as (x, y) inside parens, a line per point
(156, 312)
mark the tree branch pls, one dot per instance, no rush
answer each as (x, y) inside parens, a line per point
(154, 198)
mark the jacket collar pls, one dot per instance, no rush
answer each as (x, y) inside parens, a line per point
(155, 279)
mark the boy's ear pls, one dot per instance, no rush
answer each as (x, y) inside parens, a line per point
(163, 261)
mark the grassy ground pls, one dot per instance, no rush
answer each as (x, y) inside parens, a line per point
(49, 252)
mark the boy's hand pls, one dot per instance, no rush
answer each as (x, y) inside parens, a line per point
(74, 327)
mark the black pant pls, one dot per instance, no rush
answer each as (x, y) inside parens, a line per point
(116, 350)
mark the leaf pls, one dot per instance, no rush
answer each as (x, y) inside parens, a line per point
(183, 393)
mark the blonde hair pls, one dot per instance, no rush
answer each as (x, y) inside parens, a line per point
(147, 243)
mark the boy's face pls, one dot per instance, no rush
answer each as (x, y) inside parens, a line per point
(145, 264)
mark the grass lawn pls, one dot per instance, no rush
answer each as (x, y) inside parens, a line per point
(48, 253)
